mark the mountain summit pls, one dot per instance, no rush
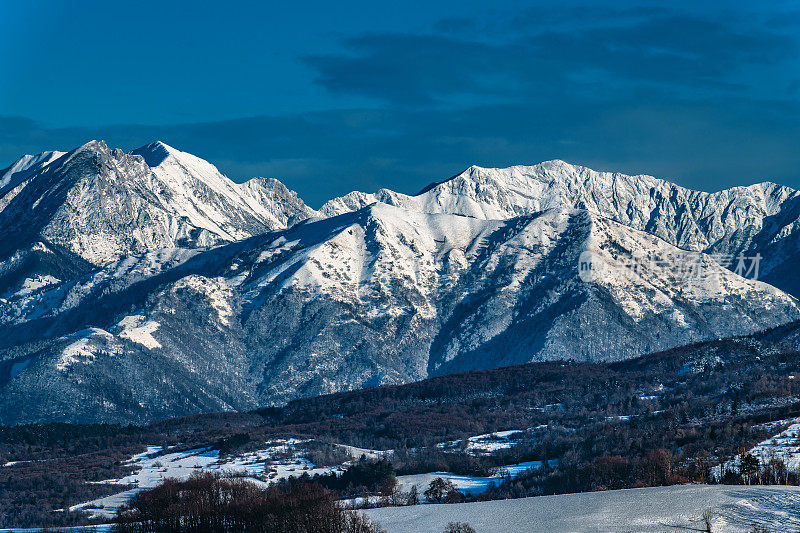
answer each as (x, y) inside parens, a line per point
(762, 218)
(95, 205)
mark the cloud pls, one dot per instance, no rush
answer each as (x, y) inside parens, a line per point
(415, 69)
(786, 20)
(546, 52)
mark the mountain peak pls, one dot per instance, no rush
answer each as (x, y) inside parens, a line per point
(25, 165)
(155, 197)
(526, 170)
(92, 146)
(560, 164)
(548, 164)
(155, 153)
(89, 150)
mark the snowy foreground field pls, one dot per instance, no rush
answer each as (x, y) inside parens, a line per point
(735, 508)
(678, 508)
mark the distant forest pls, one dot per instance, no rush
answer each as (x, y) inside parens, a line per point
(661, 419)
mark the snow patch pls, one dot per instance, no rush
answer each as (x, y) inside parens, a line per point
(467, 484)
(138, 329)
(81, 351)
(488, 443)
(216, 290)
(31, 285)
(279, 459)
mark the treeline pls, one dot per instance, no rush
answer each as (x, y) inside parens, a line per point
(362, 477)
(35, 493)
(749, 469)
(654, 468)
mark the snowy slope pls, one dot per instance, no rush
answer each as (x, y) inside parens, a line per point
(783, 446)
(760, 218)
(735, 509)
(209, 200)
(14, 178)
(95, 205)
(380, 295)
(25, 166)
(102, 204)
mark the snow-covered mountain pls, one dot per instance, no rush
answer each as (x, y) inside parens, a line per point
(762, 218)
(379, 295)
(14, 178)
(147, 285)
(95, 205)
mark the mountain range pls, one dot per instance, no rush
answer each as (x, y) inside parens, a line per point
(146, 284)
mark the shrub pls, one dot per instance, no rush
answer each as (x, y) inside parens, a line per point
(459, 527)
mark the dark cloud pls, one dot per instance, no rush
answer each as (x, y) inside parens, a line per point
(541, 54)
(457, 25)
(417, 69)
(676, 50)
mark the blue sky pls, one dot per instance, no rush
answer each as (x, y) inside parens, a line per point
(331, 97)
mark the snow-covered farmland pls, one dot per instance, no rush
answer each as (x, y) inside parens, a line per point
(279, 459)
(283, 458)
(678, 508)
